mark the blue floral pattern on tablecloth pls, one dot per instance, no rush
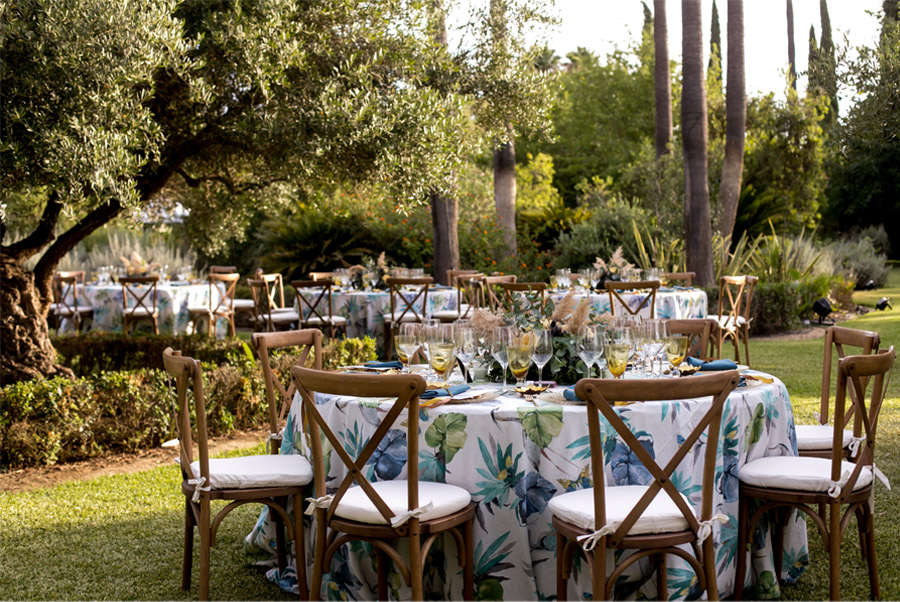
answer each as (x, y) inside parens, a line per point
(172, 300)
(679, 303)
(514, 457)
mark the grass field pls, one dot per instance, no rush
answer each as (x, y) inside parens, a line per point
(119, 537)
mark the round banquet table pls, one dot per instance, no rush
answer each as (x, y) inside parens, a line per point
(172, 299)
(671, 303)
(513, 457)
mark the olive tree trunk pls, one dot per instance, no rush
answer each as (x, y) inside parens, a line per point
(735, 121)
(445, 222)
(505, 191)
(695, 133)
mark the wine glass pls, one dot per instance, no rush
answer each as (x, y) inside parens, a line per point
(408, 342)
(466, 346)
(429, 328)
(639, 340)
(617, 353)
(588, 346)
(655, 342)
(595, 279)
(543, 350)
(499, 341)
(442, 350)
(676, 349)
(518, 351)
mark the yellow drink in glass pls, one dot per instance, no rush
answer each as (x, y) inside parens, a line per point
(519, 361)
(442, 358)
(617, 358)
(676, 348)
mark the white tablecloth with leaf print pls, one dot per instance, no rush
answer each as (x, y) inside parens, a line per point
(514, 457)
(172, 300)
(364, 309)
(675, 303)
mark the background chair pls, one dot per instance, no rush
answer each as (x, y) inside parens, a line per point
(403, 306)
(650, 519)
(269, 480)
(302, 343)
(698, 332)
(321, 275)
(65, 299)
(133, 289)
(222, 269)
(381, 512)
(821, 487)
(453, 274)
(240, 306)
(313, 312)
(492, 291)
(816, 439)
(220, 302)
(647, 287)
(685, 278)
(469, 296)
(733, 315)
(270, 315)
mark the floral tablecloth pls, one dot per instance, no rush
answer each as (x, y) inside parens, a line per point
(364, 309)
(514, 457)
(172, 300)
(677, 303)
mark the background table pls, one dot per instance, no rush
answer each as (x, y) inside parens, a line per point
(172, 300)
(671, 303)
(514, 457)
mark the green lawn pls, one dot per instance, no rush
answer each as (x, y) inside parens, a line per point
(120, 537)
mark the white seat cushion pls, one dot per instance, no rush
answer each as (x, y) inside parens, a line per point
(282, 470)
(726, 320)
(62, 310)
(813, 437)
(243, 304)
(336, 320)
(395, 317)
(280, 317)
(140, 311)
(661, 516)
(447, 499)
(802, 473)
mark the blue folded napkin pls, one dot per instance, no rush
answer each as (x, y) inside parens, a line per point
(684, 288)
(569, 394)
(454, 390)
(440, 287)
(713, 365)
(395, 364)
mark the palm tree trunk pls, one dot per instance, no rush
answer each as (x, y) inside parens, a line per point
(505, 190)
(791, 61)
(735, 119)
(662, 82)
(695, 133)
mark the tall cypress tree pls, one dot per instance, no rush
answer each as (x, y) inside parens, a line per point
(813, 84)
(827, 65)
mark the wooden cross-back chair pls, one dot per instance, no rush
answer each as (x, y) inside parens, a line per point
(317, 308)
(646, 287)
(452, 275)
(815, 439)
(380, 512)
(469, 297)
(264, 479)
(222, 269)
(630, 517)
(403, 306)
(220, 302)
(686, 278)
(65, 299)
(132, 289)
(526, 289)
(733, 315)
(321, 275)
(302, 343)
(821, 487)
(271, 314)
(698, 331)
(492, 289)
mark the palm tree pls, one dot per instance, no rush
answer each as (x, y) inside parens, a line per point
(791, 62)
(695, 133)
(661, 79)
(735, 120)
(547, 60)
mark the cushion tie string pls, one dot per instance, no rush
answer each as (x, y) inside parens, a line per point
(817, 417)
(589, 541)
(198, 487)
(706, 526)
(854, 445)
(835, 489)
(318, 502)
(405, 516)
(881, 476)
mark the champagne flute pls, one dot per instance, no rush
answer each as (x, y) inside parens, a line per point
(465, 347)
(543, 350)
(676, 349)
(499, 339)
(518, 351)
(588, 346)
(408, 342)
(429, 328)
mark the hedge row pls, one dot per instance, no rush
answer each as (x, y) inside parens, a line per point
(118, 408)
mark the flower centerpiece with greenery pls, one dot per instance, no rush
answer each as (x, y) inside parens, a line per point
(612, 269)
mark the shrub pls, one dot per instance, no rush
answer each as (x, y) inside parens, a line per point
(611, 226)
(858, 261)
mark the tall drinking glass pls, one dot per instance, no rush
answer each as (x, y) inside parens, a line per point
(656, 342)
(442, 350)
(499, 342)
(588, 346)
(408, 342)
(466, 347)
(543, 350)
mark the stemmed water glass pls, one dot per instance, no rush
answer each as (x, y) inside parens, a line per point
(655, 342)
(466, 347)
(430, 327)
(543, 350)
(589, 346)
(676, 349)
(499, 341)
(408, 342)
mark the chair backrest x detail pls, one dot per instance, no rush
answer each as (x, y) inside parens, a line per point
(491, 285)
(131, 289)
(405, 304)
(837, 338)
(320, 305)
(697, 330)
(302, 343)
(686, 278)
(647, 287)
(222, 269)
(405, 388)
(222, 285)
(601, 396)
(264, 289)
(65, 292)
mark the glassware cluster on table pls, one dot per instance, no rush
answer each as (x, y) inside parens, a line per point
(589, 278)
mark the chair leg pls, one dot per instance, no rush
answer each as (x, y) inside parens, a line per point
(709, 567)
(204, 550)
(861, 528)
(871, 559)
(781, 516)
(746, 336)
(416, 564)
(383, 568)
(834, 550)
(561, 574)
(743, 536)
(662, 586)
(300, 547)
(315, 588)
(188, 560)
(280, 544)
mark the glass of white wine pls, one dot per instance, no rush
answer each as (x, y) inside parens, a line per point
(442, 350)
(408, 343)
(518, 351)
(676, 349)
